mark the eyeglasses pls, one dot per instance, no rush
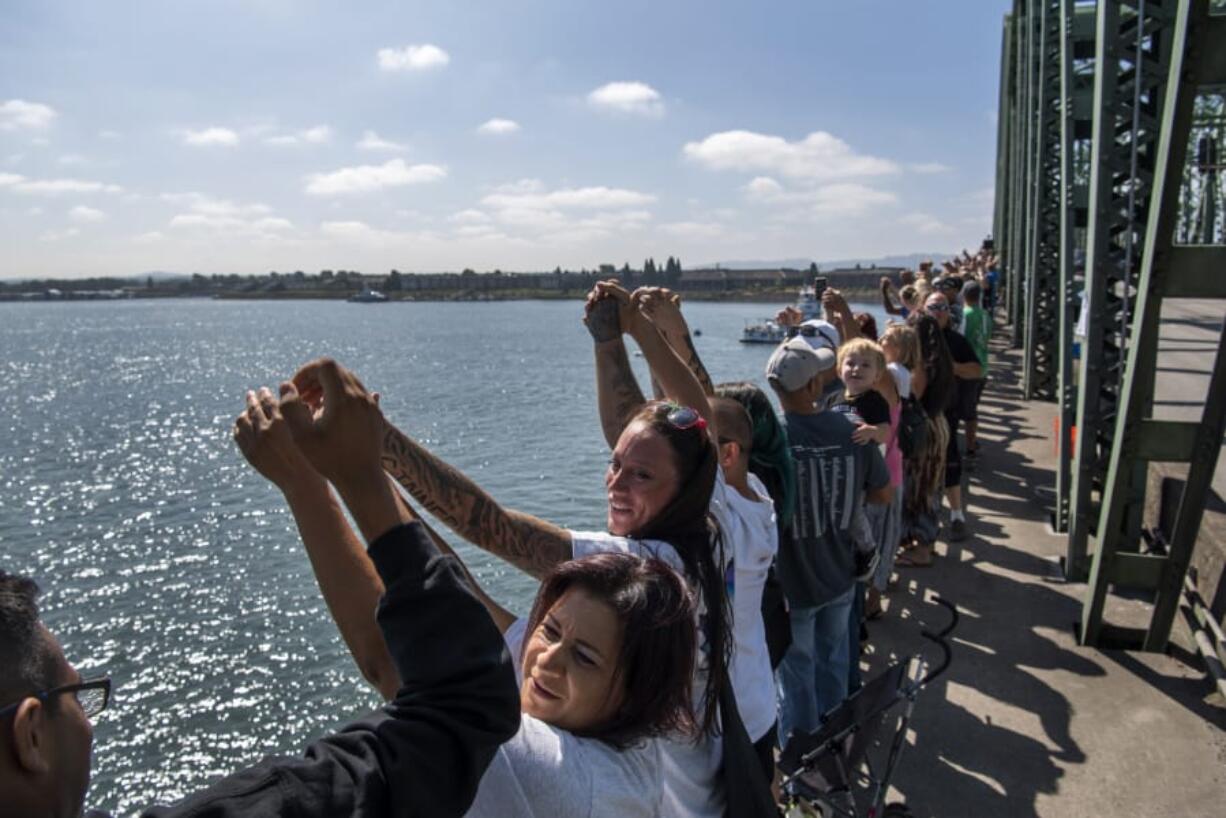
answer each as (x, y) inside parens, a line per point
(937, 307)
(681, 417)
(92, 695)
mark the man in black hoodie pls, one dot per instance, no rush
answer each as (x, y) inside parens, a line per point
(420, 755)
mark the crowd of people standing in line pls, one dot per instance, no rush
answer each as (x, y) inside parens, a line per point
(666, 658)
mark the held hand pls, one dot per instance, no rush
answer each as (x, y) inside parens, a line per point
(886, 284)
(264, 439)
(833, 300)
(863, 433)
(608, 312)
(789, 317)
(343, 437)
(662, 307)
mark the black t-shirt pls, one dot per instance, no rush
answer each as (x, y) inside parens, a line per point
(962, 352)
(869, 406)
(960, 349)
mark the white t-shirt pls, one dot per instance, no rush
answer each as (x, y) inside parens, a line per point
(693, 785)
(545, 772)
(902, 378)
(750, 535)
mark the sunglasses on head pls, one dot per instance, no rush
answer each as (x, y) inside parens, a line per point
(682, 418)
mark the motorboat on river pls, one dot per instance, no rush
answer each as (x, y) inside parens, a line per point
(763, 332)
(367, 297)
(767, 331)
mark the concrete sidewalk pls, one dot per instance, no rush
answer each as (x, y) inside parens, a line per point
(1026, 722)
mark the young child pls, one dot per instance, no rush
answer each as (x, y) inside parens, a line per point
(861, 365)
(900, 346)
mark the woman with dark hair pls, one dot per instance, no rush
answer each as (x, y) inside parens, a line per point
(932, 383)
(605, 660)
(659, 484)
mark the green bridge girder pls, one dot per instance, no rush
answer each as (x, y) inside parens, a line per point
(1096, 106)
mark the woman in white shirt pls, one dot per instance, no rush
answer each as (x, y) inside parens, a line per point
(605, 660)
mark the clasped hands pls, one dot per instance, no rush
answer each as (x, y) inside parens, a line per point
(325, 426)
(611, 311)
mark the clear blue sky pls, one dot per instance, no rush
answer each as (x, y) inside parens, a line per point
(230, 136)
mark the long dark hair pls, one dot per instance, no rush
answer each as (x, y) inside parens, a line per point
(656, 662)
(686, 524)
(770, 458)
(937, 363)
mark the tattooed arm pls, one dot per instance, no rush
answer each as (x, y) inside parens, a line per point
(679, 383)
(528, 543)
(663, 308)
(618, 395)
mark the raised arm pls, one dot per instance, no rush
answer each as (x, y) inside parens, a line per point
(618, 395)
(676, 379)
(503, 618)
(425, 752)
(887, 300)
(663, 308)
(838, 312)
(529, 543)
(347, 579)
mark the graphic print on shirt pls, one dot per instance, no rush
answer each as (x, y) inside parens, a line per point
(827, 477)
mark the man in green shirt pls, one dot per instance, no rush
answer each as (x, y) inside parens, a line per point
(977, 327)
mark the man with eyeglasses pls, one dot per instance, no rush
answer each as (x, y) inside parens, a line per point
(967, 371)
(422, 754)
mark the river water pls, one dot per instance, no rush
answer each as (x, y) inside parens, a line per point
(170, 565)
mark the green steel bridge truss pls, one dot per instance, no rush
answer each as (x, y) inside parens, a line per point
(1098, 106)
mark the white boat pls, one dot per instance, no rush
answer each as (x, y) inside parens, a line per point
(763, 332)
(808, 303)
(768, 332)
(368, 297)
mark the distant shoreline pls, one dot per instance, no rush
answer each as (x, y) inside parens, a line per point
(765, 296)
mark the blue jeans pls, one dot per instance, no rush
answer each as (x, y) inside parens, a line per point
(812, 678)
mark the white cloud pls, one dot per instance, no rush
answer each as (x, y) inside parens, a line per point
(413, 58)
(208, 205)
(928, 167)
(355, 231)
(369, 178)
(497, 126)
(205, 213)
(72, 159)
(818, 157)
(371, 141)
(52, 187)
(17, 114)
(210, 137)
(564, 216)
(150, 237)
(58, 235)
(599, 197)
(695, 230)
(81, 213)
(109, 134)
(525, 185)
(925, 223)
(318, 135)
(469, 216)
(824, 201)
(627, 98)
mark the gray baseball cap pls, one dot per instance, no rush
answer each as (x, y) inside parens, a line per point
(794, 363)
